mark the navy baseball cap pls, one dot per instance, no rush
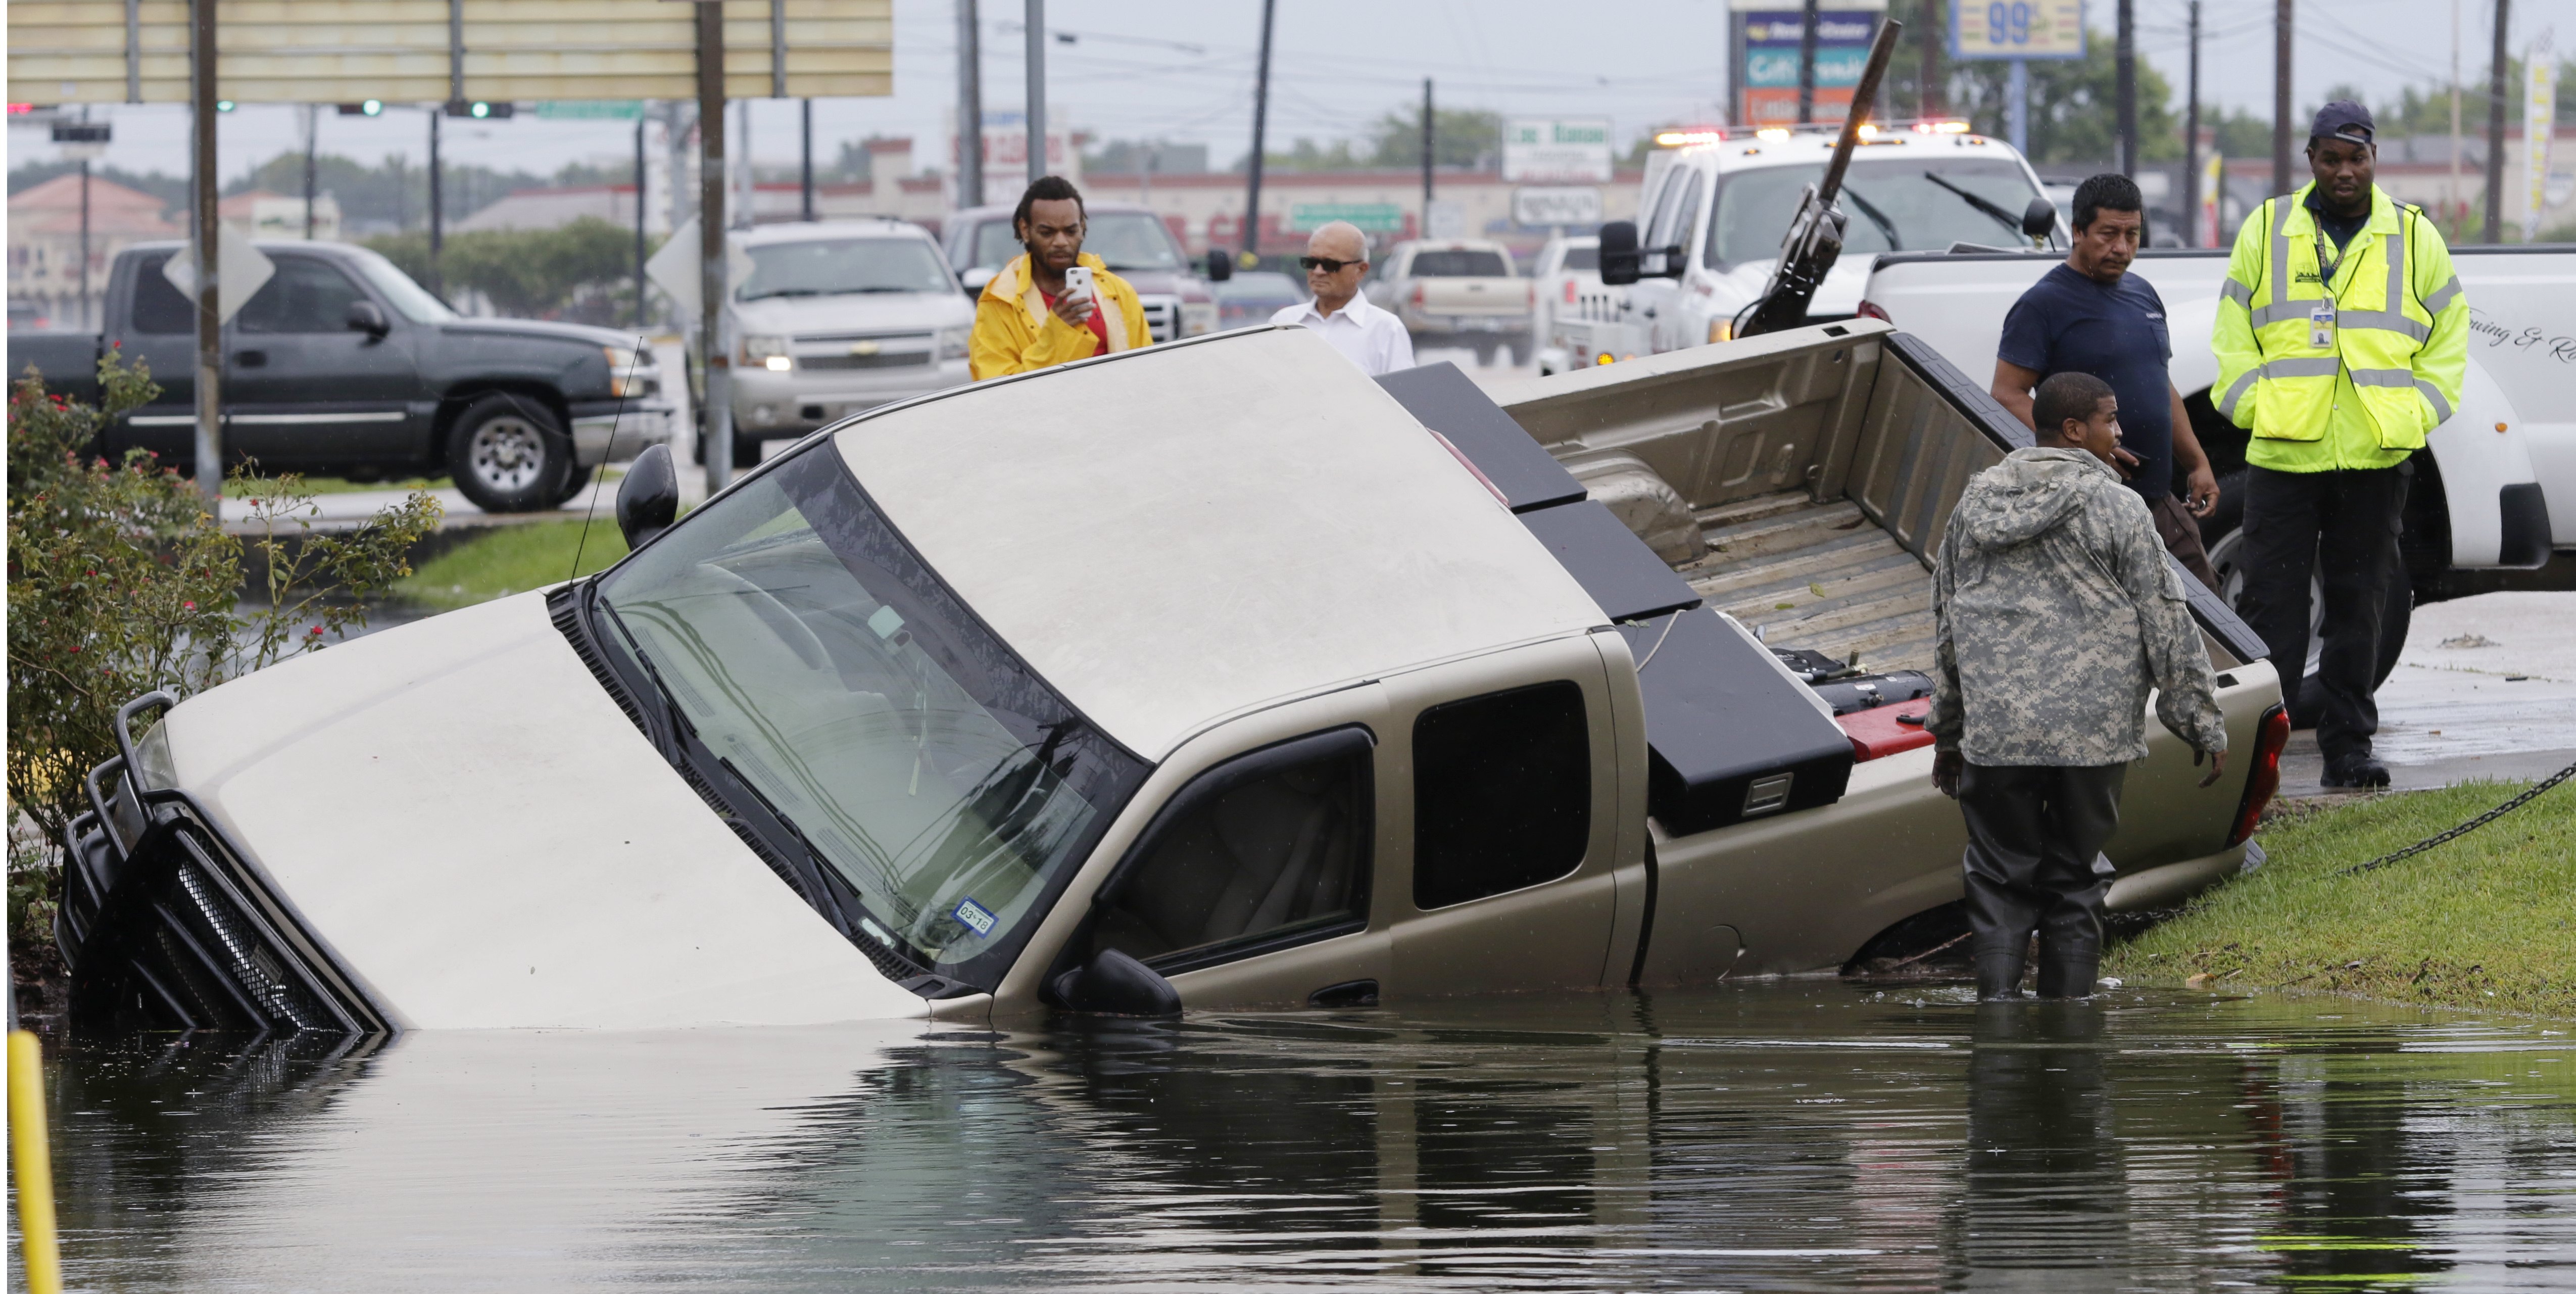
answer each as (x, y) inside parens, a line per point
(2342, 119)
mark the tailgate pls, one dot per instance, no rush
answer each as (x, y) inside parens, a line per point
(1474, 296)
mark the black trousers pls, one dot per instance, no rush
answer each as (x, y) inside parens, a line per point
(2342, 527)
(2034, 836)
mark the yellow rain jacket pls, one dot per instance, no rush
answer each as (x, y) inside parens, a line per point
(1016, 333)
(2344, 370)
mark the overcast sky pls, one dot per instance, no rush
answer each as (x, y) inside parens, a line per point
(1181, 70)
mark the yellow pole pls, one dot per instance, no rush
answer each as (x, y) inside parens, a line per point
(34, 1162)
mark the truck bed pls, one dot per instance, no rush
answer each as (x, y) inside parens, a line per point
(1819, 576)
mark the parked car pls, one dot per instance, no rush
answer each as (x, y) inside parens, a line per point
(1457, 292)
(1131, 240)
(844, 742)
(1252, 296)
(1712, 216)
(341, 365)
(1566, 276)
(835, 318)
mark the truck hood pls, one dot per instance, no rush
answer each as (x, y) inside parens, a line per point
(857, 312)
(1838, 295)
(482, 839)
(1165, 283)
(581, 333)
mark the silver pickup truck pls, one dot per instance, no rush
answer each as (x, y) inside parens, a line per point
(1285, 686)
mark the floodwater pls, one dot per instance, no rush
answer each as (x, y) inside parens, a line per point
(1798, 1135)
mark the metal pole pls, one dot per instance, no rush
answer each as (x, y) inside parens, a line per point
(2017, 105)
(312, 140)
(717, 356)
(437, 205)
(2451, 196)
(2495, 129)
(1260, 123)
(747, 178)
(84, 246)
(641, 120)
(1429, 142)
(1931, 96)
(805, 166)
(1807, 63)
(206, 232)
(134, 51)
(2127, 60)
(2191, 140)
(970, 108)
(2281, 96)
(1037, 114)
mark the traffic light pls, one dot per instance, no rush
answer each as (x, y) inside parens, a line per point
(481, 110)
(371, 108)
(223, 105)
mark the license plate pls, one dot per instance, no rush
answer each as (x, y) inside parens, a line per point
(1484, 324)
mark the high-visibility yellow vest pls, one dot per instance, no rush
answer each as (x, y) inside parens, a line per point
(2358, 354)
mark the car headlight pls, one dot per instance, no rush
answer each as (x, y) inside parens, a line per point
(626, 375)
(952, 343)
(766, 352)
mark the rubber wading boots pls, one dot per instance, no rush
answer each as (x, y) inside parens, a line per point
(1998, 976)
(2069, 974)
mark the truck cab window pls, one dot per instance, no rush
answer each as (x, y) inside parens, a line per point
(304, 296)
(1502, 793)
(1266, 850)
(160, 308)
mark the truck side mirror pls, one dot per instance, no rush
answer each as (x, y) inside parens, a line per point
(648, 500)
(1220, 267)
(2039, 218)
(367, 317)
(1619, 259)
(1113, 983)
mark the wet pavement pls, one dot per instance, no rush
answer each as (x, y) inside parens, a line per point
(2485, 689)
(1806, 1135)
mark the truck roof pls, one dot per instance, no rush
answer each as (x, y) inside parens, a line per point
(1181, 533)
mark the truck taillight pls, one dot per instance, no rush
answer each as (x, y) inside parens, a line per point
(1569, 292)
(1417, 296)
(2271, 734)
(1872, 310)
(1529, 295)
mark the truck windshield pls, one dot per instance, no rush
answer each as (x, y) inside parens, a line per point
(1895, 205)
(942, 790)
(413, 300)
(831, 267)
(1123, 240)
(1460, 265)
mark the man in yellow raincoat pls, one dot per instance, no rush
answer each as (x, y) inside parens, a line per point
(1026, 320)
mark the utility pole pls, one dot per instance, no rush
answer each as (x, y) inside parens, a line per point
(1260, 120)
(805, 173)
(1429, 141)
(642, 119)
(970, 109)
(716, 418)
(206, 232)
(312, 138)
(437, 203)
(2191, 139)
(2281, 107)
(1930, 105)
(2495, 129)
(2451, 197)
(1807, 64)
(1037, 114)
(2127, 60)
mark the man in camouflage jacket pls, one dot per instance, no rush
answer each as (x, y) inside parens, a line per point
(2056, 613)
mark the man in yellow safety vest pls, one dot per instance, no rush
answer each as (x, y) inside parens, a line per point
(2341, 339)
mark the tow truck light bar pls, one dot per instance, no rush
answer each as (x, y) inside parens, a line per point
(1690, 136)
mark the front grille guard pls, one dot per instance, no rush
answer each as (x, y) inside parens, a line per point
(165, 926)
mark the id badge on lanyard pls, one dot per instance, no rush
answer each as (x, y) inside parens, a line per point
(2321, 326)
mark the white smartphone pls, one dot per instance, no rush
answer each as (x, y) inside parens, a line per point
(1077, 281)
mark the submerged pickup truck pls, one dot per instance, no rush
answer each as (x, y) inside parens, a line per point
(1305, 689)
(341, 365)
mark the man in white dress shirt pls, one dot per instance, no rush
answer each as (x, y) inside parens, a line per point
(1336, 259)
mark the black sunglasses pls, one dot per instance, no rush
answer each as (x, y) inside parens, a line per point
(1325, 263)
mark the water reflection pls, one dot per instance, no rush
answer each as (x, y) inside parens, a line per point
(1799, 1136)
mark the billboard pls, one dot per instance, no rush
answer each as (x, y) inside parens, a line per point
(2016, 28)
(1770, 43)
(1556, 150)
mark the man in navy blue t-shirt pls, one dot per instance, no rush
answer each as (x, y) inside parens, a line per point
(2090, 315)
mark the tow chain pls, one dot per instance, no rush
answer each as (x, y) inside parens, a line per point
(2464, 828)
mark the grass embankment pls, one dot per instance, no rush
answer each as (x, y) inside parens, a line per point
(2487, 921)
(502, 560)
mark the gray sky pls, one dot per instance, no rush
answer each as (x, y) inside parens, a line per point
(1182, 70)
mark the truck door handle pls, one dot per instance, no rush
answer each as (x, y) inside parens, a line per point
(1650, 312)
(251, 358)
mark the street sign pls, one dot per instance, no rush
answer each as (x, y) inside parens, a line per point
(1556, 150)
(674, 269)
(2016, 28)
(590, 109)
(1566, 205)
(1774, 41)
(1370, 217)
(240, 271)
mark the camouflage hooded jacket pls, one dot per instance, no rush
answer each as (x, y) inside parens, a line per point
(2057, 612)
